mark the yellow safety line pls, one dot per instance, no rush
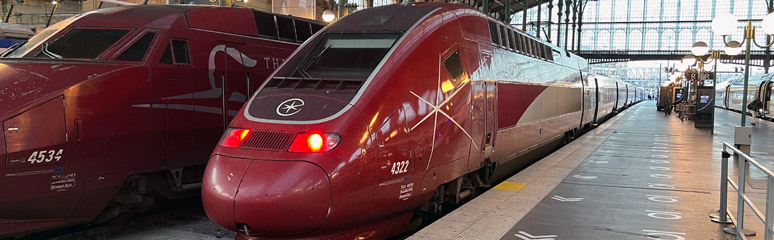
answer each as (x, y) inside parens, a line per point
(511, 186)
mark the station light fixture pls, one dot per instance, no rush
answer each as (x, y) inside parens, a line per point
(686, 63)
(328, 16)
(732, 48)
(724, 24)
(768, 24)
(700, 48)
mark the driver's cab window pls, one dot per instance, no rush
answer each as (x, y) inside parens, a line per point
(81, 43)
(454, 70)
(137, 51)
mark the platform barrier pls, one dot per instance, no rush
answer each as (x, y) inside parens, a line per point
(768, 219)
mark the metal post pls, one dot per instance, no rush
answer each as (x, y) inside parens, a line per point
(769, 208)
(767, 55)
(539, 18)
(716, 56)
(8, 15)
(567, 23)
(550, 11)
(524, 15)
(749, 33)
(581, 8)
(559, 24)
(52, 15)
(485, 7)
(723, 210)
(508, 12)
(739, 196)
(340, 8)
(574, 18)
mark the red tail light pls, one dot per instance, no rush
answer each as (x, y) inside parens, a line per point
(234, 137)
(315, 142)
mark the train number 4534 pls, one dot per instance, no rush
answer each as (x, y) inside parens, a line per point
(45, 156)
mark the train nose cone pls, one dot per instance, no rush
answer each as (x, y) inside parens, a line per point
(219, 187)
(273, 198)
(283, 197)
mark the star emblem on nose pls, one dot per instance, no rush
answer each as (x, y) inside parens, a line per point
(290, 107)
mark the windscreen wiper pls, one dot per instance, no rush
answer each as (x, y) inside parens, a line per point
(12, 48)
(50, 54)
(311, 62)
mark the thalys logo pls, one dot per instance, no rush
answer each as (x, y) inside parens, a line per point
(290, 107)
(214, 92)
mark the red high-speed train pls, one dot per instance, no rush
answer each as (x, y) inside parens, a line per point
(394, 109)
(107, 110)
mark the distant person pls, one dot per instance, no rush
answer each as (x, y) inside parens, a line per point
(754, 108)
(668, 104)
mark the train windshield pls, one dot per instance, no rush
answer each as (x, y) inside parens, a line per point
(21, 50)
(346, 55)
(77, 43)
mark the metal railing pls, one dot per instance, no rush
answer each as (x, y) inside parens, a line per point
(724, 216)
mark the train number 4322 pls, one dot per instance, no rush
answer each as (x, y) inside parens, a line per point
(45, 156)
(399, 167)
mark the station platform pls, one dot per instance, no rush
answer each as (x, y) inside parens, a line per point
(639, 175)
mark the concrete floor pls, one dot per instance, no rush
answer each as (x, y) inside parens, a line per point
(640, 175)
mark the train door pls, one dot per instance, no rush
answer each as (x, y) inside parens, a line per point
(589, 99)
(617, 107)
(596, 99)
(235, 80)
(489, 102)
(727, 96)
(765, 96)
(482, 96)
(175, 101)
(394, 151)
(39, 181)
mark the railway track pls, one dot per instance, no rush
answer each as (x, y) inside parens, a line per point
(185, 217)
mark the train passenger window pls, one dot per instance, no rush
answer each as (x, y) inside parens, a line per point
(512, 37)
(316, 28)
(346, 55)
(547, 53)
(524, 43)
(287, 30)
(267, 27)
(166, 57)
(504, 37)
(540, 50)
(136, 52)
(180, 49)
(453, 65)
(493, 34)
(555, 55)
(535, 49)
(82, 43)
(304, 30)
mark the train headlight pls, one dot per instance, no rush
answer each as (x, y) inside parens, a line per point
(315, 142)
(234, 137)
